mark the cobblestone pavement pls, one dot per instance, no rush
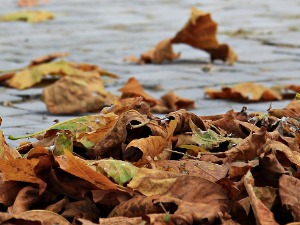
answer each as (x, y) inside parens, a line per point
(104, 31)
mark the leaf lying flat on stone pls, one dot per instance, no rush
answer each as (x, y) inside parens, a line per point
(28, 16)
(245, 92)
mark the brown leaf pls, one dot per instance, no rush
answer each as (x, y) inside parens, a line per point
(174, 102)
(119, 221)
(183, 117)
(85, 209)
(231, 125)
(153, 182)
(262, 214)
(163, 51)
(28, 3)
(22, 170)
(150, 147)
(247, 149)
(78, 167)
(24, 200)
(45, 217)
(8, 191)
(137, 206)
(207, 170)
(289, 193)
(47, 58)
(73, 94)
(245, 92)
(294, 106)
(239, 168)
(204, 202)
(200, 32)
(134, 89)
(107, 141)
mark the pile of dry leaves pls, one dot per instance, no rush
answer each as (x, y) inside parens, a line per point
(125, 166)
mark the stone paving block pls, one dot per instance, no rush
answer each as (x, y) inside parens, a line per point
(104, 32)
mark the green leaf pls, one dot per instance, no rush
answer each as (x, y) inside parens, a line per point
(297, 96)
(210, 139)
(77, 125)
(63, 142)
(167, 217)
(28, 16)
(119, 171)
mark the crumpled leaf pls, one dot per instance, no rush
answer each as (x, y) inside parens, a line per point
(22, 170)
(34, 217)
(28, 16)
(134, 89)
(245, 92)
(120, 171)
(207, 170)
(7, 152)
(289, 193)
(210, 139)
(172, 102)
(163, 51)
(47, 58)
(262, 214)
(41, 67)
(80, 94)
(200, 32)
(63, 141)
(79, 168)
(153, 182)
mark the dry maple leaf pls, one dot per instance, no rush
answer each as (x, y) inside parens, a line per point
(200, 32)
(245, 92)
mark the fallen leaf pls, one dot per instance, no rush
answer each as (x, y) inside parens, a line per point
(163, 51)
(79, 168)
(85, 209)
(137, 206)
(120, 171)
(22, 170)
(28, 3)
(7, 152)
(28, 16)
(207, 170)
(200, 32)
(151, 147)
(81, 94)
(44, 216)
(245, 92)
(174, 102)
(47, 58)
(8, 191)
(262, 214)
(134, 89)
(153, 182)
(33, 74)
(289, 193)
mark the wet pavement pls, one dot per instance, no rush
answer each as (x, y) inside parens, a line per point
(265, 35)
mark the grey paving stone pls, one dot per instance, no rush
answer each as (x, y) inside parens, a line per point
(104, 32)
